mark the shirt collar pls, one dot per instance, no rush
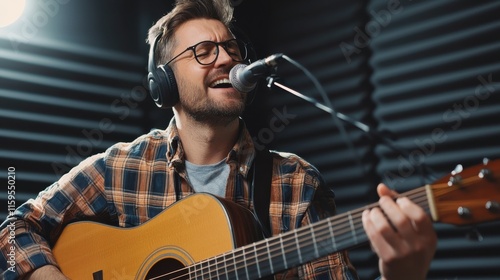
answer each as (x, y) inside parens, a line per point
(242, 153)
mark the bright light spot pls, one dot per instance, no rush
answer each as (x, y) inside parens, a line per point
(10, 11)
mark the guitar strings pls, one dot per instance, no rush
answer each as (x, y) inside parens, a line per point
(418, 196)
(218, 263)
(206, 270)
(323, 230)
(422, 200)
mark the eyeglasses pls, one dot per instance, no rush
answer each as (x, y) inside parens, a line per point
(207, 52)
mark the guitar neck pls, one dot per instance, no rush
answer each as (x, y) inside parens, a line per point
(293, 248)
(175, 247)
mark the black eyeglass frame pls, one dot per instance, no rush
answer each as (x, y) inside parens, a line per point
(218, 44)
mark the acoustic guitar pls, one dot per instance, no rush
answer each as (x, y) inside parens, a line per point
(205, 237)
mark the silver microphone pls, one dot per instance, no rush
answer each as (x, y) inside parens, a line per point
(244, 78)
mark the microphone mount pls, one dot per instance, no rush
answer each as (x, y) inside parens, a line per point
(271, 80)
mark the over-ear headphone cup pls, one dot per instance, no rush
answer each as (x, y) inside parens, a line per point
(163, 87)
(153, 89)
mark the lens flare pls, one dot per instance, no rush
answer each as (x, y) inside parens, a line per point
(10, 11)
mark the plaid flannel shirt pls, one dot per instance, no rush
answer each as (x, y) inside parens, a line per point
(131, 183)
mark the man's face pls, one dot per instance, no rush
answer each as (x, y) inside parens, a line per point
(205, 94)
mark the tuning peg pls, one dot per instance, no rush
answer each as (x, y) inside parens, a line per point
(484, 173)
(455, 180)
(459, 168)
(474, 235)
(464, 212)
(493, 206)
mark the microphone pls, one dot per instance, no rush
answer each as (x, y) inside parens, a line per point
(244, 77)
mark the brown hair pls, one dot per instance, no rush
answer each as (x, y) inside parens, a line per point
(184, 11)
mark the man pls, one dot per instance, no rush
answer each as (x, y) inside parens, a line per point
(206, 148)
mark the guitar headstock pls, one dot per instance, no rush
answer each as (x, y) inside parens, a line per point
(467, 196)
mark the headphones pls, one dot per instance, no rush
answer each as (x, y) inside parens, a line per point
(162, 84)
(161, 80)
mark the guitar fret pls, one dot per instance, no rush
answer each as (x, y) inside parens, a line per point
(212, 263)
(197, 268)
(221, 267)
(283, 251)
(225, 266)
(265, 264)
(252, 269)
(298, 247)
(245, 263)
(281, 255)
(206, 270)
(231, 273)
(235, 268)
(316, 253)
(332, 235)
(353, 230)
(290, 250)
(269, 256)
(200, 271)
(257, 260)
(309, 249)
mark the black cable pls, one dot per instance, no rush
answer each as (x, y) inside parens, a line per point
(422, 168)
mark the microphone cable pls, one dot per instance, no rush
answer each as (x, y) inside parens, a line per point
(422, 168)
(340, 126)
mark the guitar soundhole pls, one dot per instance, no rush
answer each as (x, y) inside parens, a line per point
(168, 269)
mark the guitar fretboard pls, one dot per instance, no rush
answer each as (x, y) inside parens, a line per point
(290, 249)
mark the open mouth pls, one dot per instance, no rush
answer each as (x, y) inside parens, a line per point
(221, 83)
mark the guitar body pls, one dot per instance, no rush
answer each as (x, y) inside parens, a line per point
(196, 228)
(204, 237)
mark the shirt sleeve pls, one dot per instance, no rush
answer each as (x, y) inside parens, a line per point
(26, 236)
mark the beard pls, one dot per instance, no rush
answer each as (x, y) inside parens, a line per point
(208, 110)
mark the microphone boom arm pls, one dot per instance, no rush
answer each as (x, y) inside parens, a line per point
(422, 168)
(271, 81)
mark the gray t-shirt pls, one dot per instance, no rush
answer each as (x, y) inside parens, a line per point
(211, 178)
